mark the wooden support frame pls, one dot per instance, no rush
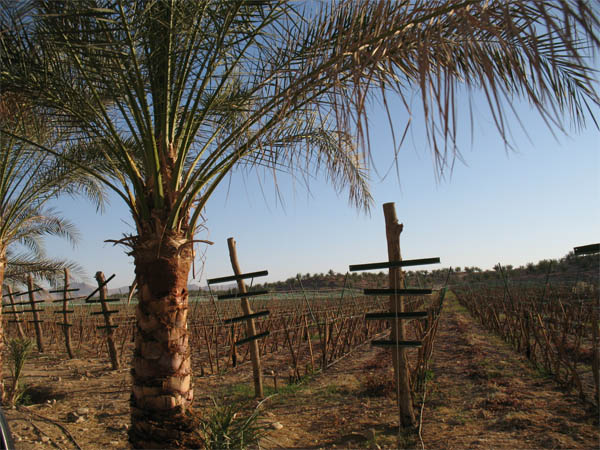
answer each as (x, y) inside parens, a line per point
(396, 314)
(396, 263)
(250, 326)
(36, 318)
(243, 276)
(15, 312)
(106, 300)
(252, 338)
(99, 288)
(108, 325)
(57, 291)
(65, 312)
(18, 294)
(246, 317)
(97, 313)
(587, 249)
(29, 302)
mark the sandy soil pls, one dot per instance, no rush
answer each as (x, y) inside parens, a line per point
(480, 395)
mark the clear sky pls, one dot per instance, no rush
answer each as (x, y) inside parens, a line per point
(514, 207)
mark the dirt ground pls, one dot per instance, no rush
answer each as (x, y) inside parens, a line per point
(480, 394)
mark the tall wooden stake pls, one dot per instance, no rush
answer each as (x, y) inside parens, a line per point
(108, 327)
(36, 317)
(250, 327)
(14, 311)
(66, 325)
(396, 281)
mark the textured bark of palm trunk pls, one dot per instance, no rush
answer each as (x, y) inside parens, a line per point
(162, 376)
(2, 269)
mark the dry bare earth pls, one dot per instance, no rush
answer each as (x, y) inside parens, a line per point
(482, 395)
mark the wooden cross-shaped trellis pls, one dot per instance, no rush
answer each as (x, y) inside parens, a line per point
(32, 303)
(16, 320)
(249, 316)
(17, 312)
(65, 324)
(396, 315)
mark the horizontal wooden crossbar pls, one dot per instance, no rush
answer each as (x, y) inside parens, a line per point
(107, 326)
(35, 321)
(15, 321)
(12, 312)
(97, 313)
(247, 317)
(388, 264)
(62, 290)
(68, 311)
(396, 344)
(399, 315)
(240, 295)
(397, 291)
(241, 276)
(100, 286)
(108, 300)
(4, 305)
(62, 300)
(252, 338)
(17, 294)
(587, 249)
(32, 310)
(64, 324)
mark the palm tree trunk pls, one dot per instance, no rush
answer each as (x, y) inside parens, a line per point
(162, 376)
(2, 269)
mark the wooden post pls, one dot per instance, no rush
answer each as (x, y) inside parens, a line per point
(36, 317)
(233, 350)
(250, 327)
(14, 311)
(396, 281)
(66, 325)
(108, 327)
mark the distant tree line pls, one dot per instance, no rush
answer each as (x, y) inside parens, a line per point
(567, 265)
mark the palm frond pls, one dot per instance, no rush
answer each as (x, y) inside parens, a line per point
(21, 265)
(175, 95)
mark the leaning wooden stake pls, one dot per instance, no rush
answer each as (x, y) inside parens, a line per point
(66, 326)
(108, 327)
(16, 320)
(396, 280)
(36, 317)
(250, 327)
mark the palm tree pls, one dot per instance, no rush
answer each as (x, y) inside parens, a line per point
(176, 94)
(28, 181)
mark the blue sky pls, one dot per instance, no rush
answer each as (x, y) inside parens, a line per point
(536, 202)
